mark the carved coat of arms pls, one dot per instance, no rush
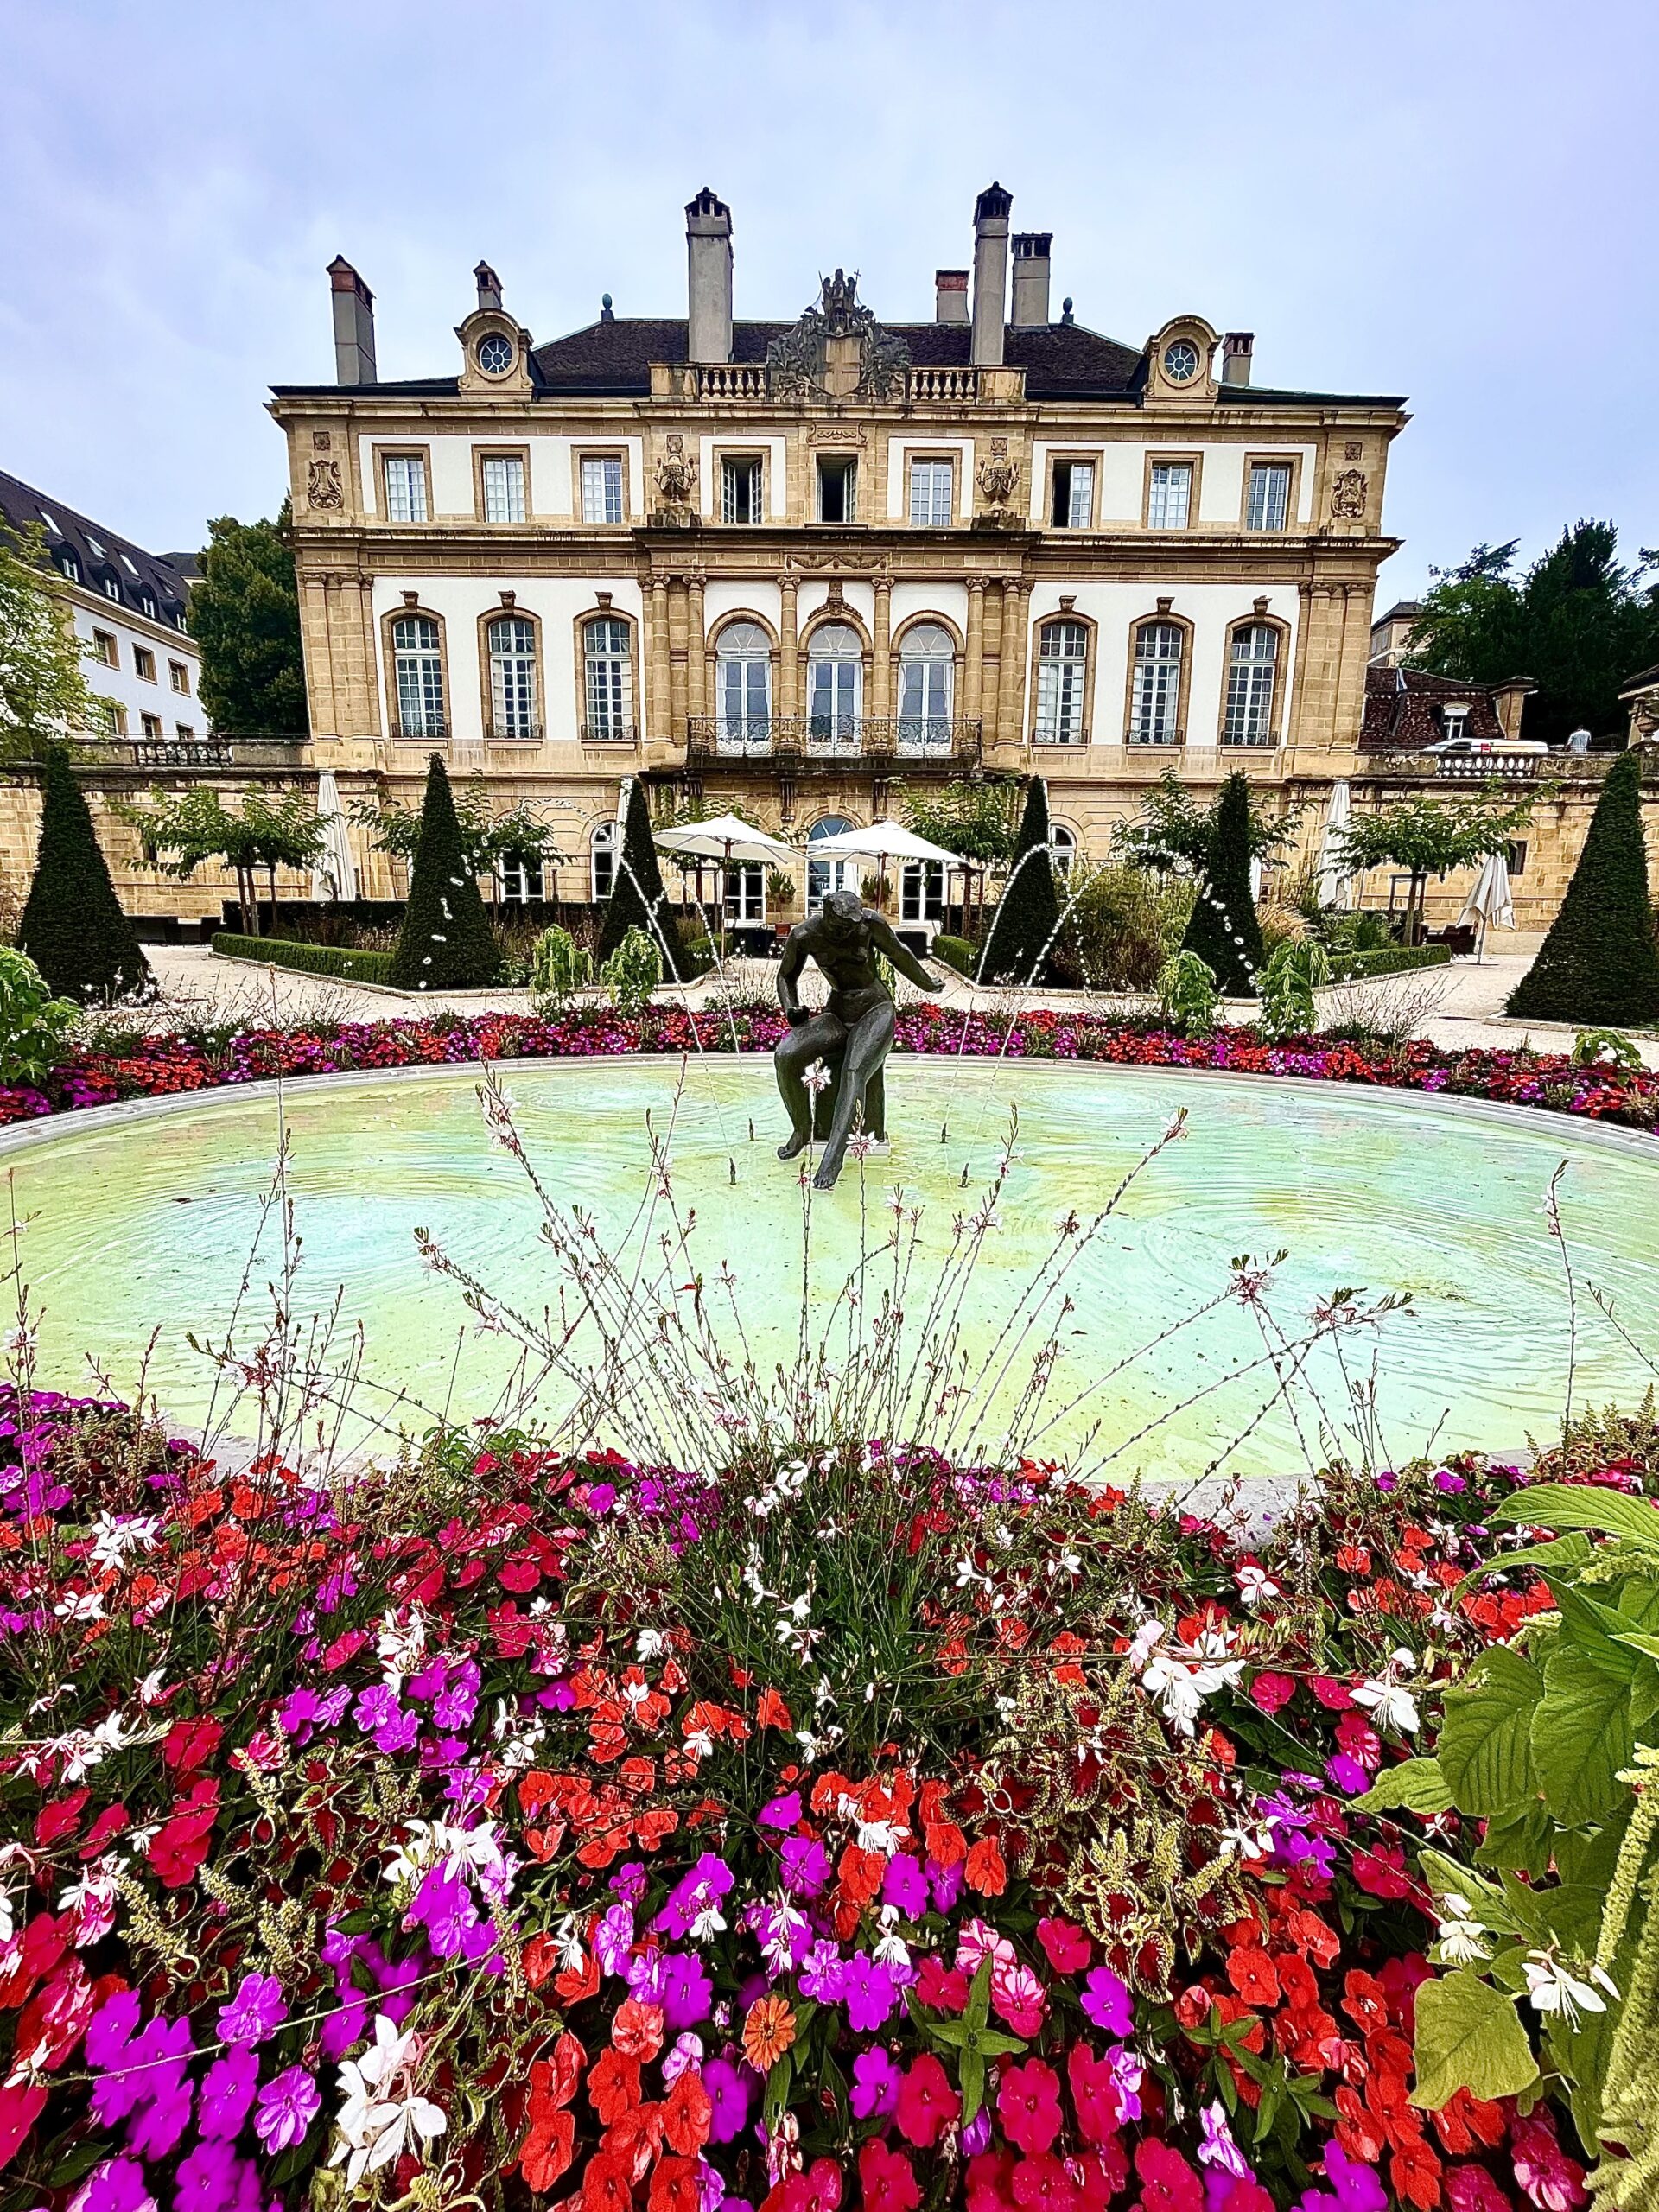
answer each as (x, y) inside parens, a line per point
(1348, 495)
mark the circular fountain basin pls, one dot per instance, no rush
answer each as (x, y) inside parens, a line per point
(140, 1221)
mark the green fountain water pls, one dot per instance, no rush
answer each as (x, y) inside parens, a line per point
(145, 1226)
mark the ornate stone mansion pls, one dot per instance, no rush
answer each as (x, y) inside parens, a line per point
(785, 567)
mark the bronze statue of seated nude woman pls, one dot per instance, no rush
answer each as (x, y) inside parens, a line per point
(852, 1035)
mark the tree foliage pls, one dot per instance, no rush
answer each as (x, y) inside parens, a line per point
(44, 694)
(244, 614)
(1599, 963)
(979, 821)
(1223, 930)
(1172, 831)
(35, 1027)
(1578, 621)
(1428, 836)
(487, 836)
(1024, 926)
(270, 829)
(446, 942)
(638, 899)
(73, 926)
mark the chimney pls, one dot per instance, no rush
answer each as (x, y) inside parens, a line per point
(990, 274)
(949, 295)
(354, 324)
(489, 287)
(1236, 348)
(709, 266)
(1031, 277)
(1508, 702)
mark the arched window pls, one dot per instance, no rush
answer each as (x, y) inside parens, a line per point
(512, 677)
(1252, 668)
(417, 662)
(1062, 683)
(824, 876)
(602, 861)
(743, 688)
(1155, 699)
(607, 668)
(835, 684)
(1062, 848)
(927, 681)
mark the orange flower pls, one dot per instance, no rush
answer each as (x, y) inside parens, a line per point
(768, 2033)
(985, 1869)
(772, 1711)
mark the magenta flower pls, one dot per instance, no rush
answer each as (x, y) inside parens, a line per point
(730, 2096)
(875, 2084)
(255, 2012)
(287, 2107)
(227, 2090)
(869, 1992)
(114, 2185)
(1106, 2002)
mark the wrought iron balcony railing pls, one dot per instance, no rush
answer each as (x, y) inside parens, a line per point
(829, 738)
(513, 732)
(1050, 735)
(610, 734)
(432, 729)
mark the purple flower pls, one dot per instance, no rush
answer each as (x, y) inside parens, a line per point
(730, 2096)
(822, 1973)
(947, 1882)
(211, 2178)
(227, 2090)
(875, 2084)
(870, 1992)
(686, 1993)
(111, 2030)
(805, 1867)
(287, 2107)
(1105, 2000)
(1127, 2074)
(614, 1938)
(443, 1906)
(905, 1885)
(1450, 1484)
(630, 1882)
(976, 2136)
(114, 2185)
(1348, 1774)
(375, 1707)
(783, 1812)
(456, 1704)
(255, 2012)
(698, 1892)
(684, 2050)
(1218, 2149)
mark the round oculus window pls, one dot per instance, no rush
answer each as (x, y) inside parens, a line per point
(1181, 361)
(495, 354)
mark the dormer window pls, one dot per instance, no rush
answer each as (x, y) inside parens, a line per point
(112, 588)
(496, 354)
(69, 563)
(1454, 721)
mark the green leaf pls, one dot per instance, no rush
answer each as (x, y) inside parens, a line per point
(1639, 1640)
(1560, 1552)
(1582, 1505)
(971, 2079)
(1484, 1749)
(1450, 1877)
(1414, 1786)
(778, 2083)
(1523, 1842)
(1469, 2037)
(1581, 1735)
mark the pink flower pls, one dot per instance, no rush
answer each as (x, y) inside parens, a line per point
(1549, 2178)
(1067, 1948)
(979, 1940)
(1017, 1998)
(1028, 2105)
(1106, 2002)
(927, 2104)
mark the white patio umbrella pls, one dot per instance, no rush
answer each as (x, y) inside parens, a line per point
(334, 876)
(725, 837)
(1335, 889)
(1489, 900)
(882, 841)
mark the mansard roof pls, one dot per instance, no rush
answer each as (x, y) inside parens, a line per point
(103, 554)
(612, 359)
(1403, 708)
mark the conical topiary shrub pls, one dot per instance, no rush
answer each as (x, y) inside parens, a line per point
(637, 900)
(446, 942)
(73, 927)
(1224, 930)
(1599, 964)
(1022, 929)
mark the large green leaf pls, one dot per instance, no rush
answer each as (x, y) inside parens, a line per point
(1413, 1786)
(1469, 2037)
(1581, 1735)
(1582, 1505)
(1485, 1749)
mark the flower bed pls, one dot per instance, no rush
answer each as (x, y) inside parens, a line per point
(861, 1830)
(164, 1065)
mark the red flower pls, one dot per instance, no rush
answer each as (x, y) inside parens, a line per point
(1094, 2092)
(1043, 2185)
(1380, 1869)
(674, 2186)
(191, 1744)
(1251, 1971)
(1028, 2105)
(927, 2103)
(818, 2189)
(1168, 2183)
(770, 1712)
(21, 2106)
(942, 1989)
(687, 2113)
(637, 2030)
(887, 2179)
(1101, 2175)
(606, 2186)
(985, 1869)
(181, 1843)
(53, 1822)
(1269, 1690)
(547, 2151)
(1065, 1945)
(613, 2085)
(990, 2181)
(1415, 2173)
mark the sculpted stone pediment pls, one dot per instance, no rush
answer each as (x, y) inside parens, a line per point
(837, 351)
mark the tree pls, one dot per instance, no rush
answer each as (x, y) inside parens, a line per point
(244, 614)
(1599, 963)
(44, 694)
(486, 837)
(271, 830)
(1027, 915)
(1224, 930)
(1577, 621)
(1428, 836)
(1174, 832)
(73, 927)
(637, 900)
(980, 821)
(446, 942)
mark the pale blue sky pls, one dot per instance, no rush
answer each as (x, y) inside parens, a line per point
(1452, 200)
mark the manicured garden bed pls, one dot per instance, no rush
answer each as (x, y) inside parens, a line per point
(204, 1059)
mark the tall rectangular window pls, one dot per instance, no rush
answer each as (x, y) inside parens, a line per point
(105, 648)
(608, 677)
(1267, 506)
(1062, 683)
(921, 892)
(1169, 495)
(504, 487)
(418, 671)
(405, 488)
(1252, 670)
(1073, 505)
(739, 488)
(931, 486)
(1155, 693)
(837, 488)
(178, 674)
(744, 890)
(601, 488)
(144, 663)
(150, 725)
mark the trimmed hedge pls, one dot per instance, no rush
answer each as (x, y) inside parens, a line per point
(351, 965)
(956, 952)
(1389, 960)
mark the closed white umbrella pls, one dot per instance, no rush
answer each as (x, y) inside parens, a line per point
(1335, 889)
(1490, 901)
(334, 876)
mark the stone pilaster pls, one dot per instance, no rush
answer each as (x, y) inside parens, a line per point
(659, 710)
(881, 649)
(696, 650)
(973, 674)
(789, 646)
(1010, 702)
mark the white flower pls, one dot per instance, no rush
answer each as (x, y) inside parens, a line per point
(113, 1538)
(1145, 1641)
(1552, 1989)
(817, 1078)
(1174, 1690)
(150, 1689)
(84, 1605)
(1255, 1587)
(648, 1645)
(382, 2115)
(1392, 1707)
